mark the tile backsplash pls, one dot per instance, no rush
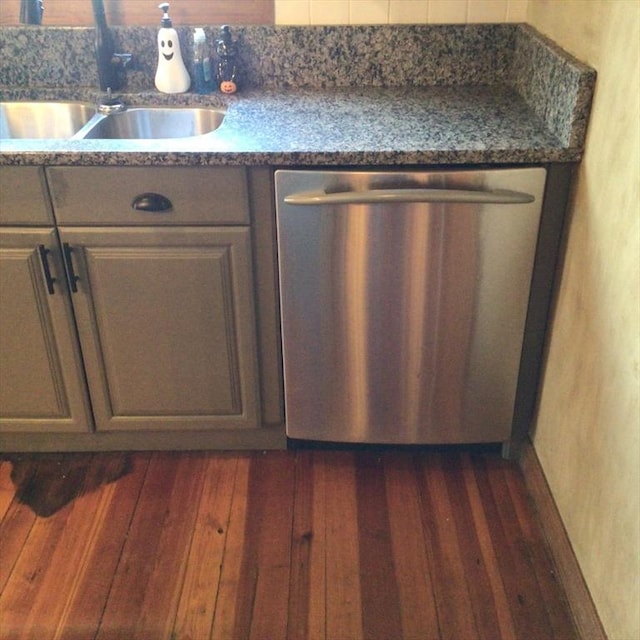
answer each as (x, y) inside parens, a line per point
(325, 12)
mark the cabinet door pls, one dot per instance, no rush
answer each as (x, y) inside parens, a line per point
(166, 324)
(41, 381)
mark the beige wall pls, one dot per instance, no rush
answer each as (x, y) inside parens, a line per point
(398, 11)
(587, 433)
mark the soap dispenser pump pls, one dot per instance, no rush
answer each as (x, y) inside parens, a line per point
(171, 74)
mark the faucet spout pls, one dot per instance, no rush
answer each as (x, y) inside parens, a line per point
(111, 65)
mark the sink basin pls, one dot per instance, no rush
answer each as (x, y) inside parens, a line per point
(79, 120)
(155, 123)
(43, 119)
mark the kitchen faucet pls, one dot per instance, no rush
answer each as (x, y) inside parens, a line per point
(111, 65)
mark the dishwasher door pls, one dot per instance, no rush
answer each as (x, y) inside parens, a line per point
(404, 299)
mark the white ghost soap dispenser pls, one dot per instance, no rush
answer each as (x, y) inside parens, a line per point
(171, 74)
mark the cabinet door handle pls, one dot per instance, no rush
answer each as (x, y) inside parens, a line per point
(152, 202)
(49, 279)
(73, 278)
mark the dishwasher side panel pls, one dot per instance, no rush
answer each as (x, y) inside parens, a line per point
(403, 323)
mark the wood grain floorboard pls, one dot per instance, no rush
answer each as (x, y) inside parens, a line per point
(267, 553)
(475, 569)
(196, 609)
(304, 537)
(14, 530)
(342, 574)
(413, 565)
(378, 585)
(317, 593)
(556, 604)
(67, 556)
(149, 576)
(94, 570)
(525, 599)
(453, 600)
(28, 582)
(489, 551)
(309, 544)
(7, 489)
(227, 600)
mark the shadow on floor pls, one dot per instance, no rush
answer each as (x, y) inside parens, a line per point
(48, 482)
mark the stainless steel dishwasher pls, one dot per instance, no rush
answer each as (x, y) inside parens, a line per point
(404, 299)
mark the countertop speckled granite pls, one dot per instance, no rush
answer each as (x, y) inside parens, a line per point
(516, 99)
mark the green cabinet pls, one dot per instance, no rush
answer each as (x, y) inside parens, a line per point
(130, 305)
(41, 383)
(166, 323)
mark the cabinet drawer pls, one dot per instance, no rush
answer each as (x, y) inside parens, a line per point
(105, 195)
(23, 197)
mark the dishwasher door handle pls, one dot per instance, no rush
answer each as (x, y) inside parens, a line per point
(498, 196)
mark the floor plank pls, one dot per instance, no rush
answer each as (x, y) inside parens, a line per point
(317, 595)
(556, 604)
(7, 490)
(306, 539)
(476, 571)
(453, 600)
(342, 575)
(29, 583)
(231, 570)
(414, 573)
(66, 562)
(488, 551)
(525, 599)
(14, 531)
(148, 578)
(94, 570)
(196, 608)
(378, 585)
(267, 554)
(309, 544)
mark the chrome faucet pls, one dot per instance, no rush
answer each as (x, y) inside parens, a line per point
(111, 65)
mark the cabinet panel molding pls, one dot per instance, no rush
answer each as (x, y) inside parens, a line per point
(41, 381)
(166, 323)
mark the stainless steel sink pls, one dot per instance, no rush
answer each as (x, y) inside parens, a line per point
(43, 119)
(154, 123)
(80, 120)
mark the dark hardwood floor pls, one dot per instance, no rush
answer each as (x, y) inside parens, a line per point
(338, 545)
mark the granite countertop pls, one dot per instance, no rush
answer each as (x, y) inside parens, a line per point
(512, 116)
(435, 125)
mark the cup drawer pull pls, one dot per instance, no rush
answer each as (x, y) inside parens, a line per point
(151, 202)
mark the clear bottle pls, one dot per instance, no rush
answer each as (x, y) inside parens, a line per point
(201, 62)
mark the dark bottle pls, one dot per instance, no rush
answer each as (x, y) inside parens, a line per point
(226, 70)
